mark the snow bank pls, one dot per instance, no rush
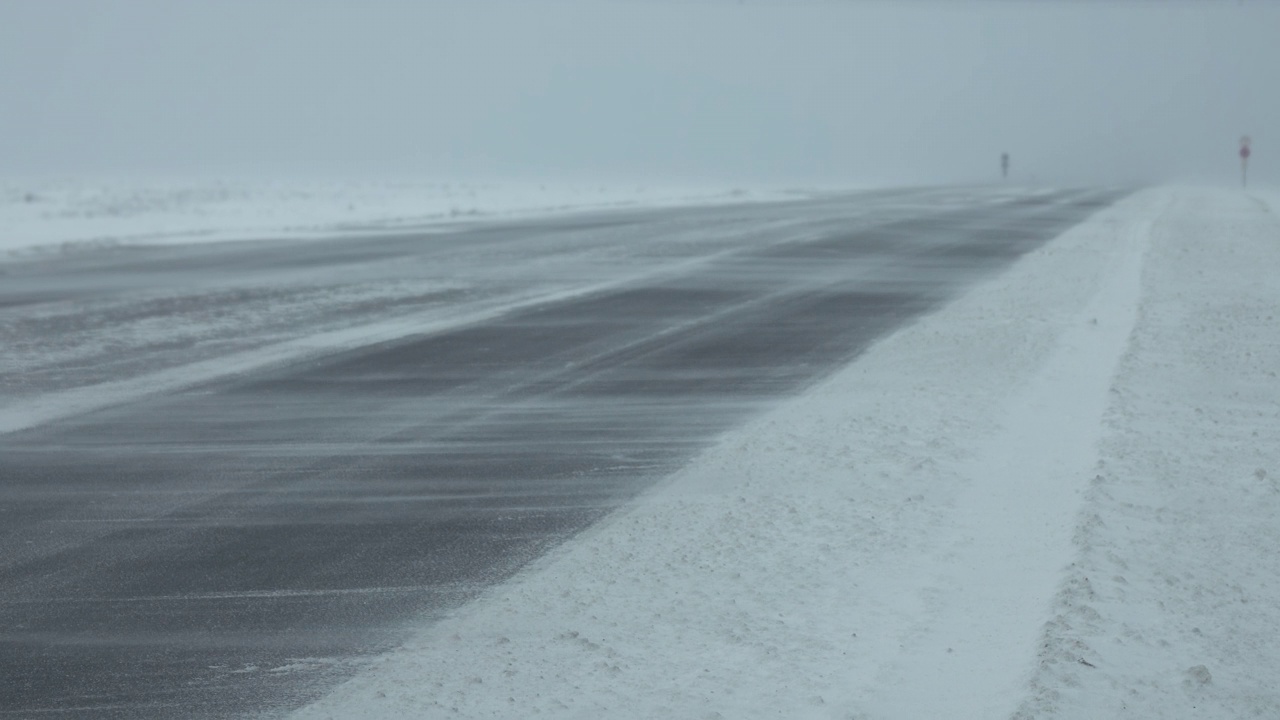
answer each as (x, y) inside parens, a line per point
(892, 544)
(1170, 609)
(36, 215)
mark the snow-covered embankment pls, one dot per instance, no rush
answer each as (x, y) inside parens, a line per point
(1173, 604)
(42, 215)
(1055, 497)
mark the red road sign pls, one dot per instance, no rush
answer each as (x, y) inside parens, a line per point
(1244, 152)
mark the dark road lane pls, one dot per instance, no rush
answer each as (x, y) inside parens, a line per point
(237, 547)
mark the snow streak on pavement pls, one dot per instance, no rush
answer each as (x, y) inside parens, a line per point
(1055, 497)
(102, 326)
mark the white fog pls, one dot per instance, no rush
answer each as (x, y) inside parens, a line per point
(737, 359)
(653, 90)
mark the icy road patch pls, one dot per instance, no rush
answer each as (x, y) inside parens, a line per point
(1056, 497)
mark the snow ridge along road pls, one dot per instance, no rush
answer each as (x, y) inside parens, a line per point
(1054, 497)
(1169, 608)
(1010, 536)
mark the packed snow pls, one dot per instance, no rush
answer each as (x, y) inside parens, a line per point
(1055, 497)
(42, 214)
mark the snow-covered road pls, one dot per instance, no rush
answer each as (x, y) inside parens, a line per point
(92, 325)
(1055, 497)
(233, 473)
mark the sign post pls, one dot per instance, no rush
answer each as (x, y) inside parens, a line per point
(1245, 142)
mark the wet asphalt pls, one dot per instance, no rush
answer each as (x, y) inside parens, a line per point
(235, 548)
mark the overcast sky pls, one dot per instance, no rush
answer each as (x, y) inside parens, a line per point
(645, 90)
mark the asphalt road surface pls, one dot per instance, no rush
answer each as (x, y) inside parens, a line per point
(412, 417)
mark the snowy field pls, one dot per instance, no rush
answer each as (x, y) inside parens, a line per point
(1056, 497)
(40, 215)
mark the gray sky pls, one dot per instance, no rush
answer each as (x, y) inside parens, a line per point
(636, 90)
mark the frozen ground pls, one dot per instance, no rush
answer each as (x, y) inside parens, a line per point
(39, 215)
(1057, 497)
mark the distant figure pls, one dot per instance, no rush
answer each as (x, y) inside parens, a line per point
(1245, 142)
(1004, 165)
